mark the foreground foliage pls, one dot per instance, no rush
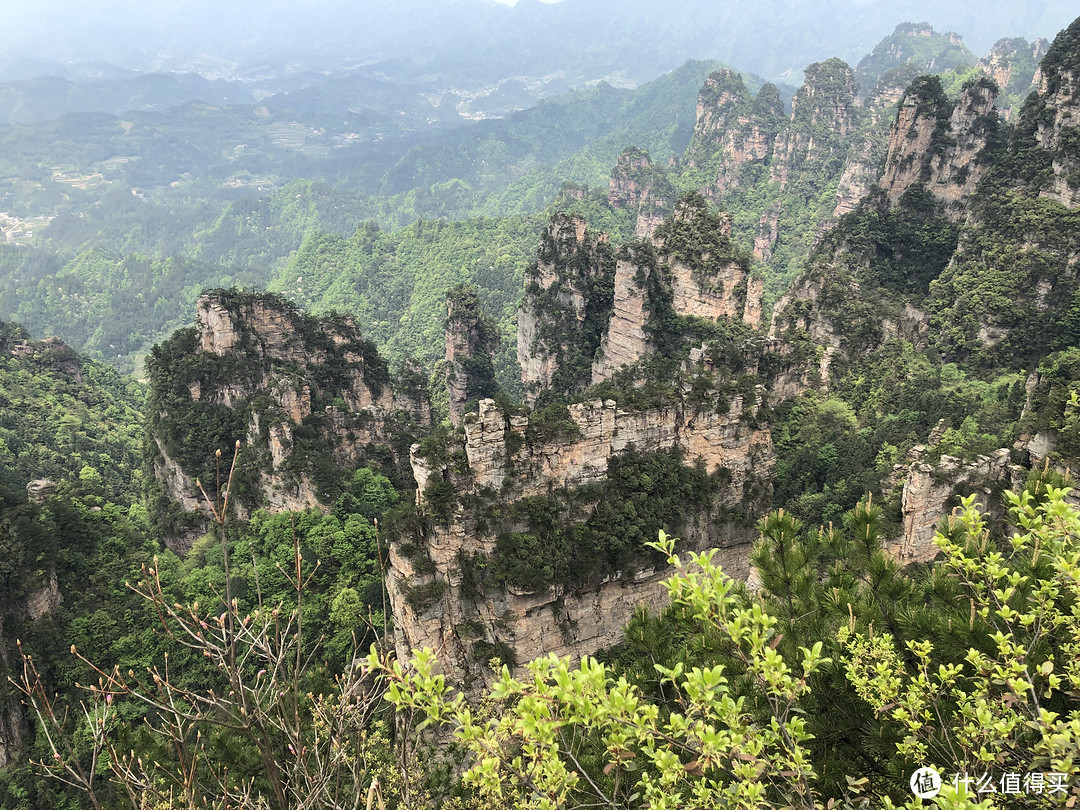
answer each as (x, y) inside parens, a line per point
(997, 692)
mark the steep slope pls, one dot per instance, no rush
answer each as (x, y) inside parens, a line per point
(307, 400)
(967, 254)
(64, 417)
(778, 177)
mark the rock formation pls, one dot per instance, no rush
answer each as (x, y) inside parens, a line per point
(470, 345)
(514, 555)
(625, 341)
(823, 117)
(504, 462)
(693, 271)
(568, 300)
(932, 491)
(863, 164)
(303, 398)
(1054, 116)
(732, 130)
(640, 186)
(937, 144)
(916, 46)
(1012, 65)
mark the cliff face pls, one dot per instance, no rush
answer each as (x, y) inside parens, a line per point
(1054, 114)
(692, 270)
(568, 301)
(1012, 65)
(625, 340)
(863, 164)
(732, 130)
(471, 340)
(532, 526)
(508, 468)
(823, 116)
(306, 399)
(938, 144)
(640, 186)
(932, 491)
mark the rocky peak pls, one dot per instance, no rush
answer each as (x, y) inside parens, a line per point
(471, 339)
(868, 153)
(915, 44)
(823, 116)
(638, 185)
(568, 300)
(694, 269)
(1047, 141)
(304, 397)
(937, 144)
(1012, 63)
(732, 130)
(721, 99)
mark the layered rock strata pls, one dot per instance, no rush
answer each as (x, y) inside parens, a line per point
(498, 464)
(733, 130)
(931, 492)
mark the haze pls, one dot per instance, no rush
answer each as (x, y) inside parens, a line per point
(628, 41)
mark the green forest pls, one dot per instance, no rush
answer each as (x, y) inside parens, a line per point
(317, 476)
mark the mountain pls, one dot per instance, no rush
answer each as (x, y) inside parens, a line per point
(901, 362)
(309, 400)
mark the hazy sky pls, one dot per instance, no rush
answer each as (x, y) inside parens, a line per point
(600, 37)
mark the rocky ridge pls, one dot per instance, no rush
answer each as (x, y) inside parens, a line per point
(480, 490)
(938, 144)
(640, 186)
(568, 300)
(500, 463)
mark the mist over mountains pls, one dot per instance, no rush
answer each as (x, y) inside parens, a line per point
(465, 41)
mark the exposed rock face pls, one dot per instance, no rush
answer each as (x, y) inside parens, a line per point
(767, 233)
(867, 154)
(697, 264)
(939, 147)
(482, 492)
(1012, 63)
(642, 187)
(930, 491)
(823, 116)
(40, 490)
(13, 730)
(274, 375)
(625, 341)
(501, 457)
(567, 304)
(1058, 126)
(471, 339)
(732, 130)
(45, 599)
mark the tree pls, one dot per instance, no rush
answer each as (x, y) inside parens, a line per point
(576, 736)
(263, 725)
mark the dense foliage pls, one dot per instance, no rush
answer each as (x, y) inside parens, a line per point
(63, 417)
